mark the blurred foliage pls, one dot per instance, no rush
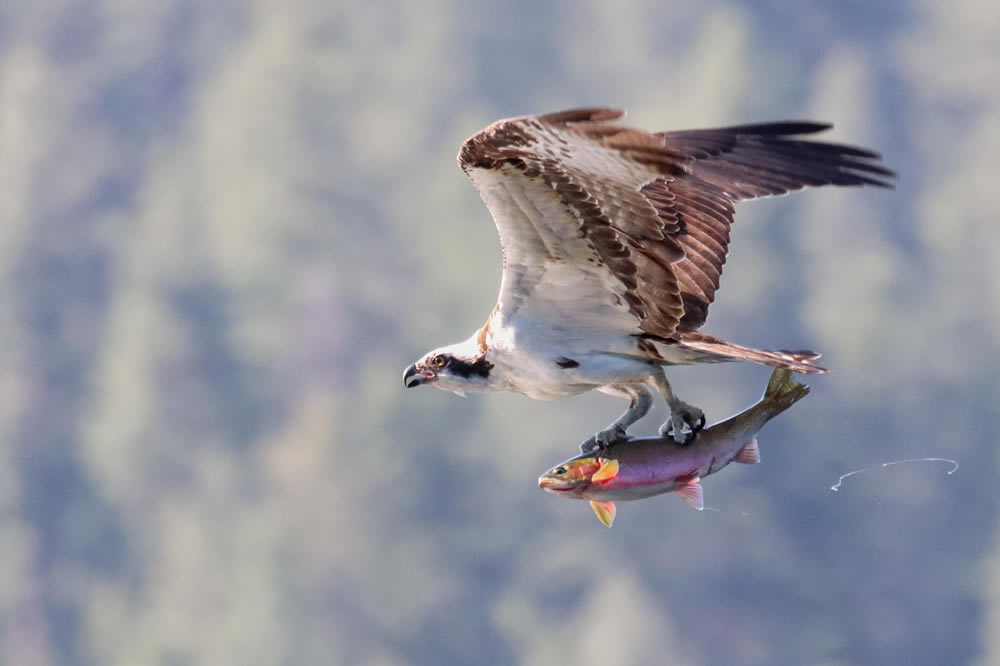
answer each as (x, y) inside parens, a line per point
(228, 226)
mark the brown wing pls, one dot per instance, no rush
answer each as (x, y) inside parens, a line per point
(585, 252)
(650, 213)
(729, 164)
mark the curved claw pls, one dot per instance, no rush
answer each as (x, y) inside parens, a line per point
(684, 425)
(604, 439)
(696, 428)
(688, 436)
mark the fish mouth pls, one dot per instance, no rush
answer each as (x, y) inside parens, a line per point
(414, 376)
(556, 486)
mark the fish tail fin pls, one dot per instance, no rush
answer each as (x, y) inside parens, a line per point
(783, 390)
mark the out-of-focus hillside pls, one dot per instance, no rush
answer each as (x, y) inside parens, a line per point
(227, 227)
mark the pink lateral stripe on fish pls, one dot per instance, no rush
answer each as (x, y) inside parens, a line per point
(643, 467)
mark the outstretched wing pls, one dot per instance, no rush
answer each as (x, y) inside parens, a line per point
(608, 228)
(729, 164)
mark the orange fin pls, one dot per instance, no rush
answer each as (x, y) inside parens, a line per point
(690, 492)
(605, 511)
(607, 470)
(749, 454)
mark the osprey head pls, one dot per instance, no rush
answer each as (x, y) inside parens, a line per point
(457, 368)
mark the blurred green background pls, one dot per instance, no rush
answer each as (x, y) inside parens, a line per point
(226, 227)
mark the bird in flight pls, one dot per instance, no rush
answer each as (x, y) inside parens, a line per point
(613, 243)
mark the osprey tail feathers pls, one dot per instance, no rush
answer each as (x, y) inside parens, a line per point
(798, 360)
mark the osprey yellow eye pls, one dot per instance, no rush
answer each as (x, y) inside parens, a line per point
(440, 361)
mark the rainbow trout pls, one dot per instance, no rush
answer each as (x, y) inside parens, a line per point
(642, 467)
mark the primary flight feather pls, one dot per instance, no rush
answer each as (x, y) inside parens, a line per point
(613, 244)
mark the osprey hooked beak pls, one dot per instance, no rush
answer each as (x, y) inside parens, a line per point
(415, 377)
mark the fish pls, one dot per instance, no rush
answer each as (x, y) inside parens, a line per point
(642, 467)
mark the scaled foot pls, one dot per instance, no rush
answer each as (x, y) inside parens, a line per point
(604, 439)
(684, 424)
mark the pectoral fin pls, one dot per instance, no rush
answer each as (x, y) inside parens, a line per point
(690, 492)
(749, 454)
(605, 511)
(607, 470)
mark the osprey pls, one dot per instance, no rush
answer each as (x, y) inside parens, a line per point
(613, 243)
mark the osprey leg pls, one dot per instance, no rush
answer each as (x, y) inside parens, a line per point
(682, 415)
(640, 400)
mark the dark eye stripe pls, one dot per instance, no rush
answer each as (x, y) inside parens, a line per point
(465, 369)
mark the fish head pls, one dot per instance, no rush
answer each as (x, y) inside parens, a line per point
(576, 475)
(569, 476)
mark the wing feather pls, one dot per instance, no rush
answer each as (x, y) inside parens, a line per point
(611, 227)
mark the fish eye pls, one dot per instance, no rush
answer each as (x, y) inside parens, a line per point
(559, 471)
(440, 360)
